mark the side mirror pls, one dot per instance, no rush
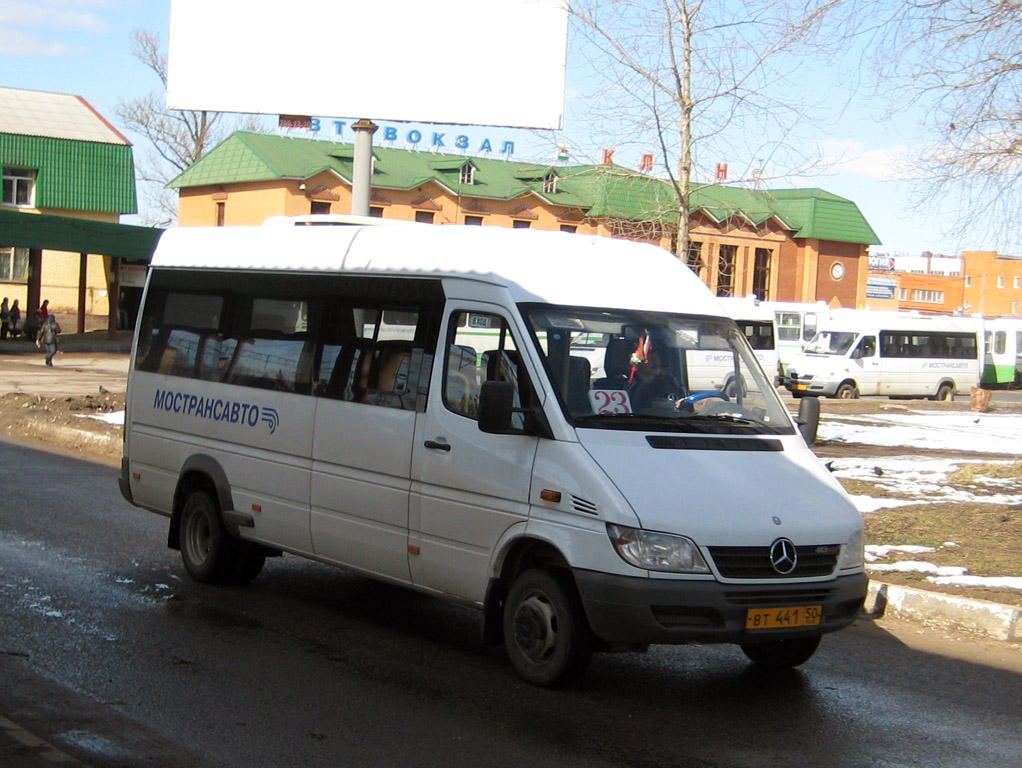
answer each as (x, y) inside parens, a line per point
(496, 400)
(808, 418)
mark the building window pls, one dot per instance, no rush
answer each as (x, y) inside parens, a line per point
(220, 213)
(927, 297)
(319, 207)
(694, 258)
(1018, 282)
(14, 265)
(968, 280)
(903, 294)
(424, 217)
(569, 228)
(1014, 311)
(761, 273)
(726, 269)
(550, 184)
(1000, 281)
(19, 187)
(376, 212)
(519, 224)
(467, 175)
(474, 221)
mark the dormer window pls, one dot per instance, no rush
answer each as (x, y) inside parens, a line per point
(550, 183)
(467, 174)
(19, 187)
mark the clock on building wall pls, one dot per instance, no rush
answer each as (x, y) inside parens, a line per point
(837, 270)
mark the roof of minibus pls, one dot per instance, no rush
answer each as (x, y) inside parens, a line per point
(533, 265)
(865, 320)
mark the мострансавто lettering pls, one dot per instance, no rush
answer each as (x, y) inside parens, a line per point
(215, 409)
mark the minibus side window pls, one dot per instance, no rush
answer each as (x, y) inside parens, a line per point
(481, 348)
(175, 331)
(867, 348)
(268, 351)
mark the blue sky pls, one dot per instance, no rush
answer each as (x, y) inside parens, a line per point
(83, 47)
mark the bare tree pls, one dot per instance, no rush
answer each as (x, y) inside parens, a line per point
(959, 63)
(177, 138)
(707, 82)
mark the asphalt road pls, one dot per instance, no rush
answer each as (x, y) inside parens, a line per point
(109, 653)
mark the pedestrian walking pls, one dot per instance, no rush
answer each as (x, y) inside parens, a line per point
(49, 337)
(5, 318)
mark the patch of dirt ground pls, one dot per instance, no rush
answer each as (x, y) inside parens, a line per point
(64, 424)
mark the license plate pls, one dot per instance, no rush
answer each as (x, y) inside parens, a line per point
(782, 618)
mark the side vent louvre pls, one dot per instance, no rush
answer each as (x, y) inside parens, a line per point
(583, 506)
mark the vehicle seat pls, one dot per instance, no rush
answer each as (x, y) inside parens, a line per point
(616, 362)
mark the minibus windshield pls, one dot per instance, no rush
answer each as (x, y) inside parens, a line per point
(831, 343)
(624, 369)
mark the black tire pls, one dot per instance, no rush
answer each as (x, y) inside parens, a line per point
(545, 631)
(780, 654)
(735, 388)
(208, 552)
(945, 393)
(847, 391)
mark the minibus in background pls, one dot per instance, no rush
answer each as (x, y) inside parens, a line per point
(1003, 348)
(759, 324)
(863, 352)
(406, 402)
(796, 323)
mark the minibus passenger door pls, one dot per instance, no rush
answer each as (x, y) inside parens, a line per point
(468, 486)
(866, 365)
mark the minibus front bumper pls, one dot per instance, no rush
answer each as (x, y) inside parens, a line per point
(623, 609)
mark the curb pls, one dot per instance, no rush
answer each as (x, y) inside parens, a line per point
(935, 609)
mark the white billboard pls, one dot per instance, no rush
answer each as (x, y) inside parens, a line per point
(457, 62)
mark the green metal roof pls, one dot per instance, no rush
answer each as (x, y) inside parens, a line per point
(74, 175)
(61, 233)
(602, 191)
(808, 213)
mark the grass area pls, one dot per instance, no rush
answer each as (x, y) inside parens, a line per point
(986, 537)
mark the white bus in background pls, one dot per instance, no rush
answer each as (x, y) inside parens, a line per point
(408, 403)
(759, 325)
(863, 352)
(796, 323)
(1003, 348)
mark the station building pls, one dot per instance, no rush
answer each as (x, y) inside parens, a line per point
(68, 176)
(784, 245)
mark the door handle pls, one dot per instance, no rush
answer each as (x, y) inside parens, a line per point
(438, 445)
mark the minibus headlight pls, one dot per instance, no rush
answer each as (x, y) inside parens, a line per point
(854, 556)
(653, 551)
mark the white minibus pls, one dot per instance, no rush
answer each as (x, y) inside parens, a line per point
(759, 324)
(864, 352)
(406, 402)
(796, 323)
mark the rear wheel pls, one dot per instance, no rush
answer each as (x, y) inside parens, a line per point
(847, 391)
(207, 551)
(778, 654)
(545, 631)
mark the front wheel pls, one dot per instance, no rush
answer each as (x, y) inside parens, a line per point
(206, 548)
(847, 391)
(548, 640)
(945, 393)
(778, 654)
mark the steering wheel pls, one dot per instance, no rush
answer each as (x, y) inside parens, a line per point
(695, 397)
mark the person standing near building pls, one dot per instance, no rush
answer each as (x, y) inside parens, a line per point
(5, 317)
(48, 336)
(44, 311)
(14, 319)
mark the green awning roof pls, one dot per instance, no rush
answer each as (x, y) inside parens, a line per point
(61, 233)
